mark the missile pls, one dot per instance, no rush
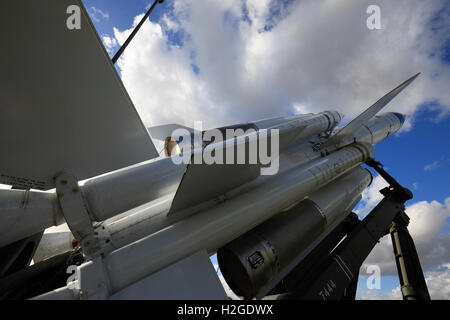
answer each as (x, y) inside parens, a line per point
(302, 171)
(27, 212)
(252, 260)
(292, 129)
(117, 192)
(215, 226)
(151, 217)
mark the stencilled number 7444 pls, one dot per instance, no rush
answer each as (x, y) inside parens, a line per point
(327, 289)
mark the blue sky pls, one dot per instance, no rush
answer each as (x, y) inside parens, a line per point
(430, 139)
(247, 60)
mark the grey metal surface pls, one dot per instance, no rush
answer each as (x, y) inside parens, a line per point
(24, 213)
(212, 228)
(191, 278)
(202, 182)
(62, 105)
(251, 261)
(119, 191)
(161, 132)
(53, 244)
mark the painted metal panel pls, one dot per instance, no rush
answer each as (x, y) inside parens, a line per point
(63, 106)
(203, 182)
(191, 278)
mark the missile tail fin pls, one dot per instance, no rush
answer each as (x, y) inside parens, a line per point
(161, 132)
(368, 114)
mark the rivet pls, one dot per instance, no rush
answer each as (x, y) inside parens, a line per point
(75, 189)
(64, 181)
(60, 195)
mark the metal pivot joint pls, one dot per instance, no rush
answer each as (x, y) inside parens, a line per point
(77, 216)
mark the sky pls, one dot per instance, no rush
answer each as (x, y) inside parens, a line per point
(224, 62)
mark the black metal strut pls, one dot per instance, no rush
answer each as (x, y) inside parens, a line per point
(127, 42)
(335, 277)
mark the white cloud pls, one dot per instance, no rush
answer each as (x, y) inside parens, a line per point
(427, 220)
(371, 196)
(97, 15)
(431, 166)
(438, 283)
(109, 43)
(169, 23)
(318, 55)
(394, 294)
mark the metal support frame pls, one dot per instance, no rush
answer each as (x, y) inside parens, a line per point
(336, 276)
(412, 281)
(93, 242)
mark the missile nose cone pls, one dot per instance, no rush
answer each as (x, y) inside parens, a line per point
(400, 117)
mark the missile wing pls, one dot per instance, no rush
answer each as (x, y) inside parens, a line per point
(370, 112)
(61, 100)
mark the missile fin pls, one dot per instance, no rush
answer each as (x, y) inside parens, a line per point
(203, 182)
(63, 107)
(368, 114)
(163, 131)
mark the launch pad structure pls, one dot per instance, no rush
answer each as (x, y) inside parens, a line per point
(331, 270)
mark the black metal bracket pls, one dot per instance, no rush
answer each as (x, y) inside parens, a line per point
(335, 276)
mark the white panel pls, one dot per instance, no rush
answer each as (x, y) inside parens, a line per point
(62, 105)
(192, 278)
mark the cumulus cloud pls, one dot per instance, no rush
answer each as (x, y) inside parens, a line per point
(257, 59)
(109, 43)
(394, 294)
(438, 283)
(97, 15)
(426, 227)
(370, 197)
(428, 221)
(431, 166)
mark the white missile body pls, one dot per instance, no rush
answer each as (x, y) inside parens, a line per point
(141, 240)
